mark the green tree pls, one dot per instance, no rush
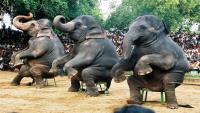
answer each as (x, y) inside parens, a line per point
(50, 8)
(172, 12)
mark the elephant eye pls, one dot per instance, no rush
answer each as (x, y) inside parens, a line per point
(78, 25)
(142, 27)
(140, 37)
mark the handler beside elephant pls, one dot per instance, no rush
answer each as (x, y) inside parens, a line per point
(157, 61)
(93, 55)
(44, 47)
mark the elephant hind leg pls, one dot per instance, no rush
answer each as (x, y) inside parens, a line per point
(37, 72)
(108, 83)
(75, 85)
(169, 84)
(143, 66)
(88, 76)
(135, 84)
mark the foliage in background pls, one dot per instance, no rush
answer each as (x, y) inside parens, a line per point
(172, 12)
(50, 8)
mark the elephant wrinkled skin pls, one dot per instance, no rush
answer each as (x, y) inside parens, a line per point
(44, 46)
(93, 55)
(157, 61)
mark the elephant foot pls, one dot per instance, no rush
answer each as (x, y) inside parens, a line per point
(39, 83)
(172, 106)
(119, 79)
(143, 69)
(92, 91)
(72, 89)
(39, 86)
(29, 84)
(18, 65)
(131, 101)
(53, 71)
(71, 71)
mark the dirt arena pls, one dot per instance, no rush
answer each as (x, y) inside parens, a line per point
(51, 99)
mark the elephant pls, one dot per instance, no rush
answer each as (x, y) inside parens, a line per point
(92, 57)
(156, 61)
(44, 46)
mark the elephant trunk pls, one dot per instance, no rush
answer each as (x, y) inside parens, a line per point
(59, 23)
(20, 25)
(127, 47)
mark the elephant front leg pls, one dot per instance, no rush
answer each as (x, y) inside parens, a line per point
(59, 61)
(119, 68)
(16, 81)
(164, 62)
(169, 87)
(118, 73)
(135, 85)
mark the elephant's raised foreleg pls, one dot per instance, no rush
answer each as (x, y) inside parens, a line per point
(35, 50)
(119, 68)
(169, 86)
(60, 61)
(164, 62)
(135, 85)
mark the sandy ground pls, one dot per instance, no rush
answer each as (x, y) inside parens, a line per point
(51, 99)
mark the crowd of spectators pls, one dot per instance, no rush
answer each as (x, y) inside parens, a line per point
(10, 41)
(188, 41)
(117, 39)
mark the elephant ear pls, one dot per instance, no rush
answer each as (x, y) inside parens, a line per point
(161, 28)
(45, 33)
(94, 30)
(156, 25)
(166, 28)
(45, 29)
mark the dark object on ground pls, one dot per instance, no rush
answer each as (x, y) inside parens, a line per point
(133, 109)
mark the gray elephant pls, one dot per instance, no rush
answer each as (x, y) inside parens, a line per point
(93, 56)
(159, 64)
(44, 47)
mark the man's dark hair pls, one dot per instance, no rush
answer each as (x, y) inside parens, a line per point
(133, 109)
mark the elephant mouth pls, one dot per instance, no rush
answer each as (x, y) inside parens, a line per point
(17, 65)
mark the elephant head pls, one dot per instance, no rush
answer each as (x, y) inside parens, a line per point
(142, 32)
(80, 28)
(32, 27)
